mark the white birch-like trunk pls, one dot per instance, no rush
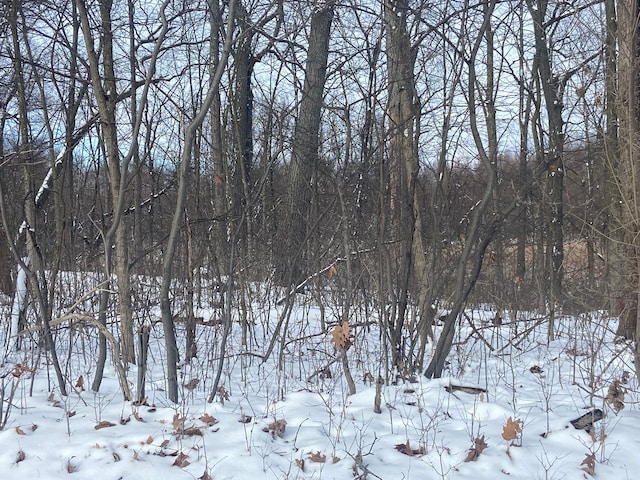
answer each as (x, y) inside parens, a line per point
(19, 298)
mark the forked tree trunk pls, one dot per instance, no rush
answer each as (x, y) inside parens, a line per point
(103, 80)
(478, 236)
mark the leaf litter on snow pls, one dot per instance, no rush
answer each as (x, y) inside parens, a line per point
(523, 392)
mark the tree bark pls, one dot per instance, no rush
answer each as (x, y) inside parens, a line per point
(304, 155)
(552, 85)
(103, 80)
(628, 110)
(403, 166)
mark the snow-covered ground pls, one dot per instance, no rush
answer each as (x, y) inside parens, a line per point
(273, 422)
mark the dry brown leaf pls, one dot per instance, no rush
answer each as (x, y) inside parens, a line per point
(21, 369)
(181, 460)
(223, 395)
(336, 459)
(300, 463)
(190, 432)
(19, 431)
(479, 444)
(333, 271)
(407, 450)
(80, 383)
(589, 463)
(317, 457)
(34, 427)
(136, 455)
(245, 418)
(615, 396)
(277, 428)
(512, 429)
(149, 440)
(340, 336)
(71, 468)
(178, 422)
(205, 476)
(164, 444)
(209, 419)
(104, 424)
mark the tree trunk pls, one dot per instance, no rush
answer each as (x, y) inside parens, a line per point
(244, 61)
(35, 271)
(103, 80)
(614, 229)
(178, 214)
(403, 166)
(552, 86)
(6, 285)
(479, 233)
(219, 241)
(304, 155)
(628, 110)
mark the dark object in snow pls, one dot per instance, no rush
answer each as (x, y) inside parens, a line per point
(462, 388)
(586, 421)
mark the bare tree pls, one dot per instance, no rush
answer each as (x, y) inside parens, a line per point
(28, 230)
(103, 79)
(479, 232)
(628, 109)
(403, 171)
(178, 215)
(304, 153)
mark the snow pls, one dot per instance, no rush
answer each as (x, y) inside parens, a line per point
(329, 434)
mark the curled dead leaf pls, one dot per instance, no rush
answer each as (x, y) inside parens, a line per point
(317, 457)
(178, 422)
(277, 428)
(589, 464)
(333, 271)
(190, 432)
(209, 419)
(407, 450)
(181, 460)
(479, 444)
(104, 424)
